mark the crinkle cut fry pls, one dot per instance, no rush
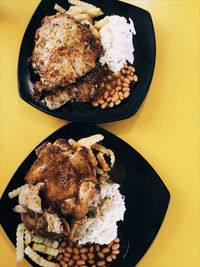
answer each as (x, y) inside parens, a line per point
(38, 259)
(20, 242)
(45, 249)
(45, 241)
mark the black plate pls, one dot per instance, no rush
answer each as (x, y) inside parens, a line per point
(146, 196)
(145, 51)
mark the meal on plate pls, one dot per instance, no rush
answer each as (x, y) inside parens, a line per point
(81, 60)
(69, 206)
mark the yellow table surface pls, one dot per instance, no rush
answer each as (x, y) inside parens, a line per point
(165, 130)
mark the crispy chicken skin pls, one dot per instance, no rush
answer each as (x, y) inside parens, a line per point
(64, 51)
(84, 90)
(69, 181)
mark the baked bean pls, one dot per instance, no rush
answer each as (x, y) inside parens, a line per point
(91, 249)
(83, 257)
(108, 86)
(76, 251)
(128, 72)
(83, 250)
(80, 246)
(97, 247)
(116, 239)
(103, 106)
(90, 261)
(135, 78)
(123, 71)
(59, 257)
(118, 88)
(101, 85)
(76, 257)
(68, 249)
(125, 89)
(101, 263)
(63, 244)
(118, 82)
(126, 94)
(111, 104)
(113, 83)
(115, 246)
(125, 85)
(109, 77)
(113, 256)
(62, 263)
(109, 99)
(115, 98)
(70, 243)
(66, 259)
(121, 96)
(95, 104)
(109, 258)
(125, 66)
(67, 254)
(90, 256)
(65, 265)
(100, 101)
(118, 102)
(105, 250)
(110, 245)
(126, 80)
(115, 251)
(80, 262)
(131, 68)
(93, 265)
(106, 94)
(70, 263)
(101, 255)
(130, 78)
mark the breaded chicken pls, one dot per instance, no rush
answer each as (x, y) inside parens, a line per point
(69, 181)
(64, 50)
(84, 90)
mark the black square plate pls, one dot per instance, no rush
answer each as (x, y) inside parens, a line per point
(146, 196)
(145, 51)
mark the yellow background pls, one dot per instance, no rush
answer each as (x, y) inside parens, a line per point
(165, 130)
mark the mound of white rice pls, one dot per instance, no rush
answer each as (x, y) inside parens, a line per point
(116, 38)
(111, 207)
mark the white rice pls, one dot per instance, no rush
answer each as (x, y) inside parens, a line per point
(111, 207)
(117, 41)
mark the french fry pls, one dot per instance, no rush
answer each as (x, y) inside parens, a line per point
(27, 237)
(20, 242)
(38, 259)
(16, 191)
(59, 8)
(45, 241)
(45, 249)
(92, 10)
(99, 24)
(81, 17)
(75, 10)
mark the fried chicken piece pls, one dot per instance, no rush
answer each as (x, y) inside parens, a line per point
(64, 50)
(56, 170)
(29, 199)
(68, 181)
(84, 90)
